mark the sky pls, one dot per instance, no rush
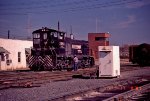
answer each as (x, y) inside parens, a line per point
(127, 21)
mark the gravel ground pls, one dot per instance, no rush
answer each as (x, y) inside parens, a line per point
(58, 89)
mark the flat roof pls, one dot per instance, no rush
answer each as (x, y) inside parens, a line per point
(105, 35)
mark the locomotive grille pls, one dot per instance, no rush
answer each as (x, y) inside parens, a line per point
(40, 63)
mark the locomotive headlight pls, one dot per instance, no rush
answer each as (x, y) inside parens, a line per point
(52, 41)
(43, 29)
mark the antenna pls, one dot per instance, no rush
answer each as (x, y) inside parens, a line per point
(96, 25)
(66, 32)
(58, 26)
(96, 22)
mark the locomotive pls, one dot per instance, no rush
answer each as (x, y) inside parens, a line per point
(49, 51)
(140, 54)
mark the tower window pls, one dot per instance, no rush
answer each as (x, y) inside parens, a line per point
(99, 39)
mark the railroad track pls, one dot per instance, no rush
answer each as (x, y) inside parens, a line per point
(125, 90)
(133, 94)
(102, 92)
(35, 79)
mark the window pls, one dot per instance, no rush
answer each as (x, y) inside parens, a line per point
(45, 36)
(52, 33)
(76, 46)
(62, 44)
(99, 38)
(36, 41)
(7, 56)
(79, 51)
(19, 56)
(61, 36)
(36, 35)
(2, 57)
(55, 35)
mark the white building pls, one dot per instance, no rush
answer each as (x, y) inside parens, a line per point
(13, 53)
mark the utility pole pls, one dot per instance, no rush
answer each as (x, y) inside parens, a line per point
(8, 34)
(29, 26)
(71, 29)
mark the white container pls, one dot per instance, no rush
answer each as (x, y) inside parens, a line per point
(109, 61)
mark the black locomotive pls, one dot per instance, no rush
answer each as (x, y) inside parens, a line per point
(140, 54)
(49, 52)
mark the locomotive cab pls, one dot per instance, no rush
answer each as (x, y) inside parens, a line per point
(47, 43)
(48, 38)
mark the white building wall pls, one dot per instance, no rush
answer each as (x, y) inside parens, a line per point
(14, 46)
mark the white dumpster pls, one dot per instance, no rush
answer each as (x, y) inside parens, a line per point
(109, 61)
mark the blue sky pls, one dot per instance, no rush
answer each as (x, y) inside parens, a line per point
(128, 21)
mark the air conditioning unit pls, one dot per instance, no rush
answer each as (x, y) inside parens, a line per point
(8, 61)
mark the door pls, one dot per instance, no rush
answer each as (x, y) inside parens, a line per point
(105, 63)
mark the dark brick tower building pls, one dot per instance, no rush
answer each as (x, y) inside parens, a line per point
(95, 40)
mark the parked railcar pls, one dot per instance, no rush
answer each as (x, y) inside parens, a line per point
(140, 54)
(49, 51)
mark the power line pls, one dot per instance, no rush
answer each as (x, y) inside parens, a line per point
(43, 7)
(101, 5)
(88, 7)
(51, 5)
(24, 3)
